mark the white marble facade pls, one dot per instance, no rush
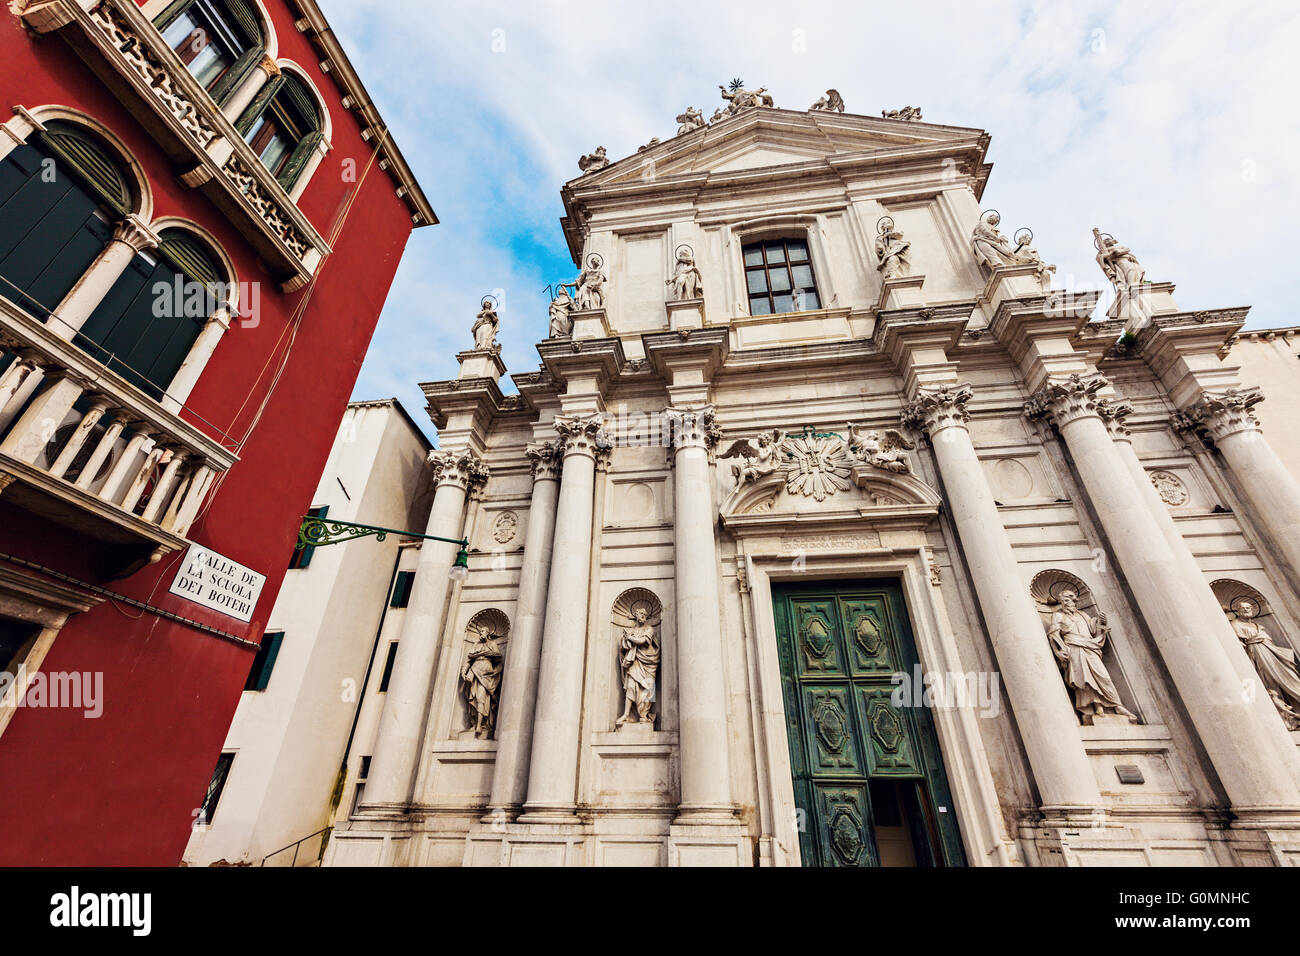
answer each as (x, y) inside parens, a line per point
(983, 444)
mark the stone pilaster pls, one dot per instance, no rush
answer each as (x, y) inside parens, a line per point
(1039, 699)
(401, 724)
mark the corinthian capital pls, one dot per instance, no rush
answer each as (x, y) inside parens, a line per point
(692, 428)
(462, 469)
(934, 409)
(1228, 412)
(1064, 400)
(133, 231)
(545, 460)
(1113, 412)
(582, 434)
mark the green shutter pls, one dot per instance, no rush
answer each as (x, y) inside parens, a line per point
(302, 102)
(234, 77)
(298, 159)
(259, 105)
(302, 556)
(90, 163)
(268, 652)
(190, 257)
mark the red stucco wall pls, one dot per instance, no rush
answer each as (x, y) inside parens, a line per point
(122, 789)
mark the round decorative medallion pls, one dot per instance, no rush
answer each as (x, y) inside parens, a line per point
(503, 529)
(1170, 488)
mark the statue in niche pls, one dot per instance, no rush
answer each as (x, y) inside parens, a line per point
(639, 664)
(1277, 666)
(593, 161)
(685, 283)
(481, 677)
(691, 119)
(1077, 641)
(589, 287)
(561, 322)
(485, 328)
(893, 252)
(831, 102)
(995, 251)
(880, 449)
(756, 460)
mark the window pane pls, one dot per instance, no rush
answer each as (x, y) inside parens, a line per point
(215, 786)
(782, 303)
(402, 589)
(810, 301)
(759, 305)
(179, 32)
(803, 278)
(780, 280)
(797, 250)
(208, 65)
(775, 252)
(753, 255)
(388, 671)
(757, 281)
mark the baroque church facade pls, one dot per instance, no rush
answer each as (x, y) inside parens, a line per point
(828, 532)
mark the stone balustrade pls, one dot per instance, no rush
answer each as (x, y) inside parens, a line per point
(83, 446)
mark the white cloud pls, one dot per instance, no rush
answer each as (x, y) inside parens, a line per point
(1172, 127)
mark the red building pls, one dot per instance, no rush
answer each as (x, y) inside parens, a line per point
(200, 217)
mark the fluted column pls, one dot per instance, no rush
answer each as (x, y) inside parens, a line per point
(1042, 707)
(701, 683)
(406, 704)
(519, 681)
(1206, 681)
(1272, 489)
(553, 764)
(1113, 414)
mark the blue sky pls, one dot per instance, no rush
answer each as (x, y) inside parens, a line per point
(1172, 126)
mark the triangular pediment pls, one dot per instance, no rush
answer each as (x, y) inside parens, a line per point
(769, 138)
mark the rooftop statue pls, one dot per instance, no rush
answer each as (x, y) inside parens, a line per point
(593, 161)
(893, 252)
(691, 119)
(561, 321)
(832, 101)
(1118, 263)
(589, 287)
(485, 328)
(685, 283)
(906, 113)
(994, 250)
(738, 98)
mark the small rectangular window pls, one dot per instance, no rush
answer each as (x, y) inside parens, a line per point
(301, 557)
(215, 786)
(402, 589)
(362, 772)
(779, 277)
(259, 675)
(388, 669)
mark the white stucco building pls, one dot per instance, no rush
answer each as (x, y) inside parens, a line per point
(326, 639)
(811, 439)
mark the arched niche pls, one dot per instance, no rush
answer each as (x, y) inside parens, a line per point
(624, 617)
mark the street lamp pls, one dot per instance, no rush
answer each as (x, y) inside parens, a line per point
(317, 532)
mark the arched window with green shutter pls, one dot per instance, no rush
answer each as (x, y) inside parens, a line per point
(60, 194)
(283, 126)
(147, 323)
(219, 41)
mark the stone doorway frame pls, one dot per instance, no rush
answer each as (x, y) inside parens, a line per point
(767, 546)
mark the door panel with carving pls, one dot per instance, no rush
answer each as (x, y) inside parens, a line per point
(868, 778)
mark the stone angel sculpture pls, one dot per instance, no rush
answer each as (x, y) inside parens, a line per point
(1277, 666)
(485, 328)
(880, 449)
(757, 459)
(1077, 641)
(593, 161)
(832, 102)
(481, 678)
(690, 119)
(639, 664)
(685, 283)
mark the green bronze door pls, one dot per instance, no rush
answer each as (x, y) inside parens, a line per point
(868, 778)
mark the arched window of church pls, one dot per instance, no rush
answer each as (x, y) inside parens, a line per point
(60, 194)
(219, 41)
(779, 277)
(148, 321)
(283, 126)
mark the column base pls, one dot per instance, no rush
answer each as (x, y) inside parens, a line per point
(561, 815)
